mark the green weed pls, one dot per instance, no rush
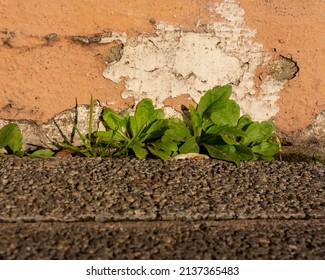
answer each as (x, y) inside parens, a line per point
(214, 127)
(92, 146)
(139, 135)
(11, 139)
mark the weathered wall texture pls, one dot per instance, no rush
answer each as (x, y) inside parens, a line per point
(54, 52)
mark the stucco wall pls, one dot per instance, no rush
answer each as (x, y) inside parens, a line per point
(272, 52)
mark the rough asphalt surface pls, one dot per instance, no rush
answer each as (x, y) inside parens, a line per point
(100, 208)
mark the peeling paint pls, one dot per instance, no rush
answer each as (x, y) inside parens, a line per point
(173, 61)
(186, 52)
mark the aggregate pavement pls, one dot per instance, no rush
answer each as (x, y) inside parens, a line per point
(103, 208)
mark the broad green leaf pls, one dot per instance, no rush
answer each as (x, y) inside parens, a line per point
(144, 112)
(213, 99)
(169, 146)
(229, 139)
(133, 126)
(231, 135)
(42, 153)
(139, 150)
(227, 115)
(267, 149)
(175, 122)
(244, 121)
(11, 138)
(114, 120)
(213, 129)
(108, 136)
(195, 122)
(207, 123)
(190, 146)
(158, 114)
(174, 154)
(258, 132)
(231, 130)
(104, 136)
(178, 133)
(156, 129)
(164, 155)
(223, 152)
(228, 133)
(244, 153)
(211, 139)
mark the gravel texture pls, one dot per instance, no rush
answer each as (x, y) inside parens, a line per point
(118, 208)
(122, 189)
(164, 240)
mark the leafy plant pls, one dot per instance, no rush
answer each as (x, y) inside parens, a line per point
(125, 135)
(11, 139)
(215, 127)
(138, 135)
(92, 146)
(41, 153)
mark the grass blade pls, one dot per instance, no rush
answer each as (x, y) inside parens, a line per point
(91, 113)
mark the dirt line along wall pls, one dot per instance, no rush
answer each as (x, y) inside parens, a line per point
(54, 53)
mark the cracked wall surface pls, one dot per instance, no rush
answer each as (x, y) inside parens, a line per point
(54, 53)
(172, 61)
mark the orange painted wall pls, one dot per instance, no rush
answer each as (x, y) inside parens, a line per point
(41, 78)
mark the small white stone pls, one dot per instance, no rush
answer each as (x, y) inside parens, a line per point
(190, 156)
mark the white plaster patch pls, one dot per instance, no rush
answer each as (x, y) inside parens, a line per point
(171, 62)
(231, 11)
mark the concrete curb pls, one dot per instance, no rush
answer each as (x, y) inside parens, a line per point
(79, 208)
